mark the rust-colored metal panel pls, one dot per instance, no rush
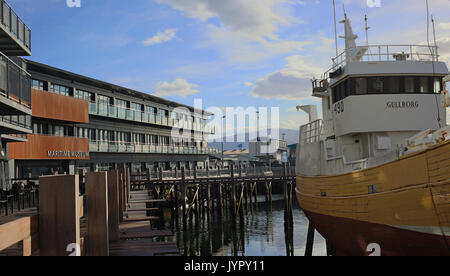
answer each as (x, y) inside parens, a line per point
(57, 107)
(40, 147)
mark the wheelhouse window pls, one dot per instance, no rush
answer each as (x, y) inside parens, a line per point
(376, 85)
(437, 85)
(386, 85)
(392, 85)
(360, 86)
(424, 86)
(410, 85)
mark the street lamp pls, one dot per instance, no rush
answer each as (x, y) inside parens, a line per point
(223, 118)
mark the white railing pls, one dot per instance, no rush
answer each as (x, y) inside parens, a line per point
(388, 53)
(127, 147)
(311, 133)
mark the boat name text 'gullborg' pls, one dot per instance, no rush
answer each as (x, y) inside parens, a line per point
(402, 104)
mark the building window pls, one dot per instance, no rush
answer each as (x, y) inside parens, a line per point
(150, 109)
(84, 95)
(136, 106)
(37, 84)
(121, 103)
(60, 89)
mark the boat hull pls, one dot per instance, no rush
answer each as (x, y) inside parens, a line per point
(403, 206)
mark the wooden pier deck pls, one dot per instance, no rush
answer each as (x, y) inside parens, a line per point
(120, 214)
(137, 231)
(109, 220)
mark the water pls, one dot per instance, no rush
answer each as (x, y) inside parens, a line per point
(264, 231)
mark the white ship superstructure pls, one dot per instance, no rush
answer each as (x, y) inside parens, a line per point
(379, 103)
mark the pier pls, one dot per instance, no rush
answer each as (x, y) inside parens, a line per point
(105, 220)
(117, 213)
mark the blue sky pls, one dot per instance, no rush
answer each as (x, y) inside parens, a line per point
(226, 52)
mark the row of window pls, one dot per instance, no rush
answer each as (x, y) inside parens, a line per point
(107, 101)
(386, 85)
(127, 137)
(52, 130)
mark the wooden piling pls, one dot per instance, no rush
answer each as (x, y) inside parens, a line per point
(59, 215)
(97, 243)
(183, 196)
(113, 205)
(310, 240)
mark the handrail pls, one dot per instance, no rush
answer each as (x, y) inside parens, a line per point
(385, 50)
(158, 148)
(311, 132)
(110, 110)
(15, 29)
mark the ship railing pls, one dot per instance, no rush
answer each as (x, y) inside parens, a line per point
(387, 53)
(312, 132)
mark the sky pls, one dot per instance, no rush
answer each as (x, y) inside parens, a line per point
(229, 53)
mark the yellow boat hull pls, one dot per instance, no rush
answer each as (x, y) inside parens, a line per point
(403, 206)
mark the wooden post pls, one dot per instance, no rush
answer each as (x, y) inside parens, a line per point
(220, 199)
(97, 243)
(310, 240)
(160, 174)
(59, 215)
(113, 205)
(233, 192)
(183, 195)
(128, 185)
(122, 204)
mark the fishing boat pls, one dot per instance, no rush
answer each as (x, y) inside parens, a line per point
(374, 172)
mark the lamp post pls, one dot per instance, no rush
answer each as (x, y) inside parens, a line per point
(223, 118)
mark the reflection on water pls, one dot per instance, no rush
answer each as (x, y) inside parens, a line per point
(264, 231)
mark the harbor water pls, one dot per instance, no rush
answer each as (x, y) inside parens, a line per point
(265, 230)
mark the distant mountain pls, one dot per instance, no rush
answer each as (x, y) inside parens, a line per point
(291, 138)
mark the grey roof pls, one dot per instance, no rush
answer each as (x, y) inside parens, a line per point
(46, 69)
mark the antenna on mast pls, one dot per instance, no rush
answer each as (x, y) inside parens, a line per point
(335, 28)
(367, 31)
(428, 24)
(434, 37)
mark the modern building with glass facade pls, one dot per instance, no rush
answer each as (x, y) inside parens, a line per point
(83, 123)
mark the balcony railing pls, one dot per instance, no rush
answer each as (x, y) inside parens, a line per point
(15, 82)
(124, 113)
(16, 27)
(22, 121)
(122, 147)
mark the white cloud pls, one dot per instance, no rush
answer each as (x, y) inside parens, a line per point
(161, 37)
(444, 48)
(248, 28)
(444, 26)
(290, 83)
(179, 87)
